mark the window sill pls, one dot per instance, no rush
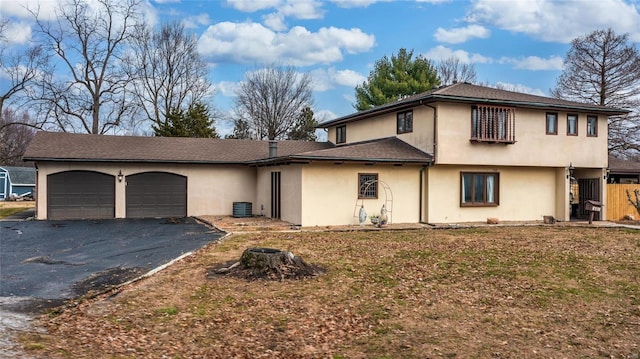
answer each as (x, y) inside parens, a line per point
(506, 142)
(479, 204)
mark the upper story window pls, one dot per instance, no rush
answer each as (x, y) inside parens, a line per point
(552, 123)
(405, 122)
(479, 189)
(493, 124)
(367, 185)
(592, 126)
(341, 134)
(572, 125)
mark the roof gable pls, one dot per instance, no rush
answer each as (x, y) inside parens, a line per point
(21, 175)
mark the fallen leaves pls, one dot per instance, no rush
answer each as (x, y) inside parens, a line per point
(504, 292)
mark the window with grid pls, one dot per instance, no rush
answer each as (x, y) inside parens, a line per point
(592, 126)
(552, 123)
(494, 124)
(479, 189)
(572, 125)
(341, 134)
(367, 185)
(405, 122)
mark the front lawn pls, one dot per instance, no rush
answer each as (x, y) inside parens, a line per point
(504, 292)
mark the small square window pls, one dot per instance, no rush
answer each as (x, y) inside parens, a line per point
(479, 189)
(405, 122)
(552, 123)
(572, 125)
(592, 126)
(367, 185)
(341, 134)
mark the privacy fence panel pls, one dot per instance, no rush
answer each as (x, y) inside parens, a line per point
(618, 205)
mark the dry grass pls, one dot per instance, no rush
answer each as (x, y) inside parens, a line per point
(504, 292)
(8, 208)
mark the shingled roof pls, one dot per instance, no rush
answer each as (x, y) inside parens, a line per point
(620, 166)
(468, 93)
(21, 175)
(59, 146)
(390, 150)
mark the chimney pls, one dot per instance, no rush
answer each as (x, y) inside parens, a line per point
(273, 149)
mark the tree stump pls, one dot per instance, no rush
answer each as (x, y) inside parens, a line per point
(268, 263)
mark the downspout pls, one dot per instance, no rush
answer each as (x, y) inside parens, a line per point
(435, 131)
(435, 153)
(420, 194)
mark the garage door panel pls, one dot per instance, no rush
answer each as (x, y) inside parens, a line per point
(80, 195)
(156, 194)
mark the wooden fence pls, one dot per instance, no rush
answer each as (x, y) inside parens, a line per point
(617, 204)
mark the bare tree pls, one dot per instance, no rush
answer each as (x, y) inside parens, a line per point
(88, 39)
(452, 70)
(14, 139)
(272, 100)
(168, 70)
(21, 67)
(603, 68)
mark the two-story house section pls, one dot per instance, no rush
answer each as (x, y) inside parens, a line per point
(496, 153)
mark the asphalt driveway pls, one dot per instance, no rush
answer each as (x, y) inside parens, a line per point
(46, 262)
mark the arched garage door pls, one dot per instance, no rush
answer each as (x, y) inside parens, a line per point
(156, 194)
(80, 195)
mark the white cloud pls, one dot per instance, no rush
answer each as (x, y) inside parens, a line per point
(327, 79)
(442, 53)
(535, 63)
(557, 21)
(46, 10)
(461, 34)
(520, 88)
(299, 9)
(302, 9)
(17, 33)
(324, 116)
(353, 3)
(251, 43)
(253, 5)
(275, 21)
(192, 22)
(226, 88)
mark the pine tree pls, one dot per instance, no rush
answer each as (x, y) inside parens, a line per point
(196, 122)
(392, 79)
(305, 129)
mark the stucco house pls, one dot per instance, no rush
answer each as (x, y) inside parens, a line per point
(458, 153)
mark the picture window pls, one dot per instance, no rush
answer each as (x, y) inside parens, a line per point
(479, 189)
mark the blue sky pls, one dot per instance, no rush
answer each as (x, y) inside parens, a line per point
(517, 43)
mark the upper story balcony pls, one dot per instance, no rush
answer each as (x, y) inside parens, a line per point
(493, 124)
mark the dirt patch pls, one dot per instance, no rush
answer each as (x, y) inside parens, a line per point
(107, 279)
(247, 224)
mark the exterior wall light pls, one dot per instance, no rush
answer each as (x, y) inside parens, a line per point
(571, 170)
(120, 176)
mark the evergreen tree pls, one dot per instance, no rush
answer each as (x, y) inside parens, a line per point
(241, 130)
(305, 129)
(196, 122)
(394, 78)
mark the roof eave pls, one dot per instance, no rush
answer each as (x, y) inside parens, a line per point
(109, 160)
(577, 107)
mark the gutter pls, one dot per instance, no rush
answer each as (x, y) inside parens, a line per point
(604, 110)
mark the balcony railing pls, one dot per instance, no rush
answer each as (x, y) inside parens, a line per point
(493, 124)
